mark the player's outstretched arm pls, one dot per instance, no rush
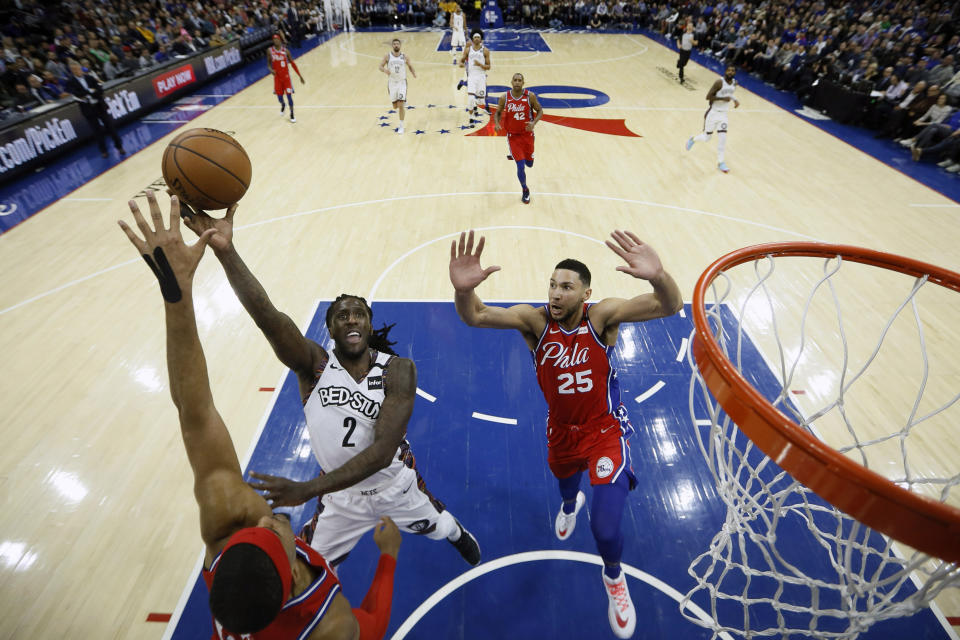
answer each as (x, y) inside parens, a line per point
(642, 263)
(225, 502)
(466, 274)
(400, 388)
(292, 348)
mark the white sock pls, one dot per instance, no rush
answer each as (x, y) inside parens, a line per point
(471, 102)
(721, 145)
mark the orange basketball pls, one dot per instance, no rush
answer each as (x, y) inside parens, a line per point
(206, 168)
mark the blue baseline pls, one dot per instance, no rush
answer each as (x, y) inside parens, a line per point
(503, 40)
(494, 477)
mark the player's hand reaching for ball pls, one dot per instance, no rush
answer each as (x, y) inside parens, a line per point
(170, 259)
(386, 535)
(465, 270)
(198, 221)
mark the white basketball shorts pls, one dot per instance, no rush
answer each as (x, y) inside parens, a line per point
(349, 514)
(397, 90)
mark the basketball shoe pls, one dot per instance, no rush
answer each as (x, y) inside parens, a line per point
(525, 198)
(565, 523)
(292, 119)
(620, 611)
(467, 545)
(689, 144)
(723, 167)
(400, 129)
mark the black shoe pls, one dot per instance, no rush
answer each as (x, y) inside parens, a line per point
(509, 157)
(525, 198)
(467, 545)
(461, 84)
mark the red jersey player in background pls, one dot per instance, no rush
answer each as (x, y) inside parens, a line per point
(522, 113)
(587, 426)
(279, 62)
(264, 582)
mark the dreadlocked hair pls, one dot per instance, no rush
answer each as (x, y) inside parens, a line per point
(379, 338)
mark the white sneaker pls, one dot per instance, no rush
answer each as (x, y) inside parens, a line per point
(400, 128)
(620, 611)
(292, 119)
(945, 163)
(954, 168)
(567, 522)
(906, 142)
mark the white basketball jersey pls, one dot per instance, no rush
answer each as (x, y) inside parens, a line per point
(475, 61)
(726, 91)
(341, 413)
(457, 21)
(397, 65)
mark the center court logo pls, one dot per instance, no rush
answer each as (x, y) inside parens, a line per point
(604, 467)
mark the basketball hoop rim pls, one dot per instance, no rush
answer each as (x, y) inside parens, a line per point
(920, 522)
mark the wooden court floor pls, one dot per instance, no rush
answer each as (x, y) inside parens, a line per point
(98, 527)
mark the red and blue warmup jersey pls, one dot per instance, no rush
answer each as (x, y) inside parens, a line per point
(576, 376)
(301, 614)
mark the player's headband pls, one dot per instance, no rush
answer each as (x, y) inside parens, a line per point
(268, 542)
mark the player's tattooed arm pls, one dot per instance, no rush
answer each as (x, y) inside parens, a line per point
(712, 94)
(400, 388)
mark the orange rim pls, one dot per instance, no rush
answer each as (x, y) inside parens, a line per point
(920, 522)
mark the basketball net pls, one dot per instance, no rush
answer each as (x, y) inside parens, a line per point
(786, 563)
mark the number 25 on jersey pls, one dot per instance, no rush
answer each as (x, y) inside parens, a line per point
(574, 382)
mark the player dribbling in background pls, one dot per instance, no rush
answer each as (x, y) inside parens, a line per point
(519, 111)
(279, 62)
(395, 65)
(720, 96)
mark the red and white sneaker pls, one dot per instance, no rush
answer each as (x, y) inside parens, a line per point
(620, 611)
(566, 522)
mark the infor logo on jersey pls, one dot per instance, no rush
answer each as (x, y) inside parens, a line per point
(375, 383)
(340, 396)
(604, 467)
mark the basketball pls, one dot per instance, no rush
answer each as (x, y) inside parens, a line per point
(206, 168)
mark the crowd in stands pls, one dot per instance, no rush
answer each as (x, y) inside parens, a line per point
(122, 38)
(901, 58)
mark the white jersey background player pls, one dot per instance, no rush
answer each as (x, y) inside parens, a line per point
(358, 399)
(476, 60)
(395, 65)
(458, 32)
(716, 118)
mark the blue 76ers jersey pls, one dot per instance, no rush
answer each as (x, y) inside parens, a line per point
(576, 376)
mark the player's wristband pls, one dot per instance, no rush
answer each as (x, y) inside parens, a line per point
(160, 266)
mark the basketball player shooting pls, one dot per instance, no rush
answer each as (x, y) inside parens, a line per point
(587, 425)
(263, 580)
(369, 467)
